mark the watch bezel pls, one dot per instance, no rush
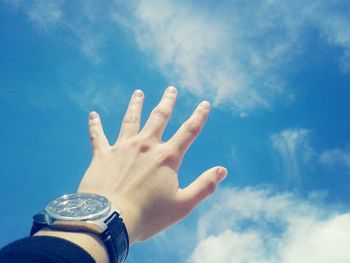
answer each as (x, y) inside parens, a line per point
(103, 212)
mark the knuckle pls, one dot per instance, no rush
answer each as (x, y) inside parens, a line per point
(161, 112)
(185, 208)
(135, 101)
(94, 132)
(124, 145)
(170, 96)
(92, 124)
(135, 104)
(192, 127)
(211, 186)
(146, 136)
(130, 119)
(169, 157)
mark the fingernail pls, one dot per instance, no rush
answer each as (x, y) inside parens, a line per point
(205, 104)
(93, 115)
(221, 174)
(171, 89)
(138, 93)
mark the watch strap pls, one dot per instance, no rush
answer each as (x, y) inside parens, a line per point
(39, 221)
(36, 227)
(116, 238)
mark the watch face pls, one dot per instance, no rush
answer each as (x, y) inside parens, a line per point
(79, 206)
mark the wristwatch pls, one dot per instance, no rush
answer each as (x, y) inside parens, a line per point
(90, 213)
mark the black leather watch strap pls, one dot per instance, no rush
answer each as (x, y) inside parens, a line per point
(36, 227)
(116, 238)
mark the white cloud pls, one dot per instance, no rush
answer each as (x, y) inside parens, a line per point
(45, 13)
(256, 226)
(203, 54)
(98, 94)
(230, 247)
(336, 158)
(236, 53)
(91, 42)
(334, 27)
(293, 148)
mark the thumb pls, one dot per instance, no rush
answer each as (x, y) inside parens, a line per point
(202, 187)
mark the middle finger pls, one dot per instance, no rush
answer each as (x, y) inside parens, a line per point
(160, 115)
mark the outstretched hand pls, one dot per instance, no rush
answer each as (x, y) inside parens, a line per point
(139, 172)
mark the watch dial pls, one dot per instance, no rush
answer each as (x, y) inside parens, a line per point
(80, 206)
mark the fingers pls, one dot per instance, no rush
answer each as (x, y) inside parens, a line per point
(98, 138)
(190, 129)
(131, 122)
(160, 115)
(201, 188)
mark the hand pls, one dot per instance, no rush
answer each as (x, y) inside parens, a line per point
(139, 172)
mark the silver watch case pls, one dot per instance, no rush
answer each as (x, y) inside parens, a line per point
(95, 222)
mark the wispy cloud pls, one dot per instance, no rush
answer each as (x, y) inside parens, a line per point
(79, 22)
(98, 94)
(293, 149)
(256, 226)
(45, 13)
(295, 153)
(337, 158)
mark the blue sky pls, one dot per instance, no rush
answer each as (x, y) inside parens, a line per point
(277, 74)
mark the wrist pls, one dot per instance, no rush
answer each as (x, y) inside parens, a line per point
(131, 218)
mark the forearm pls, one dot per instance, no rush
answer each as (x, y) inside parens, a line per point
(89, 242)
(44, 249)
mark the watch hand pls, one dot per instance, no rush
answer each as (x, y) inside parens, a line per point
(69, 208)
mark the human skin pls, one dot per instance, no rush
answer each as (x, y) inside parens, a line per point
(139, 172)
